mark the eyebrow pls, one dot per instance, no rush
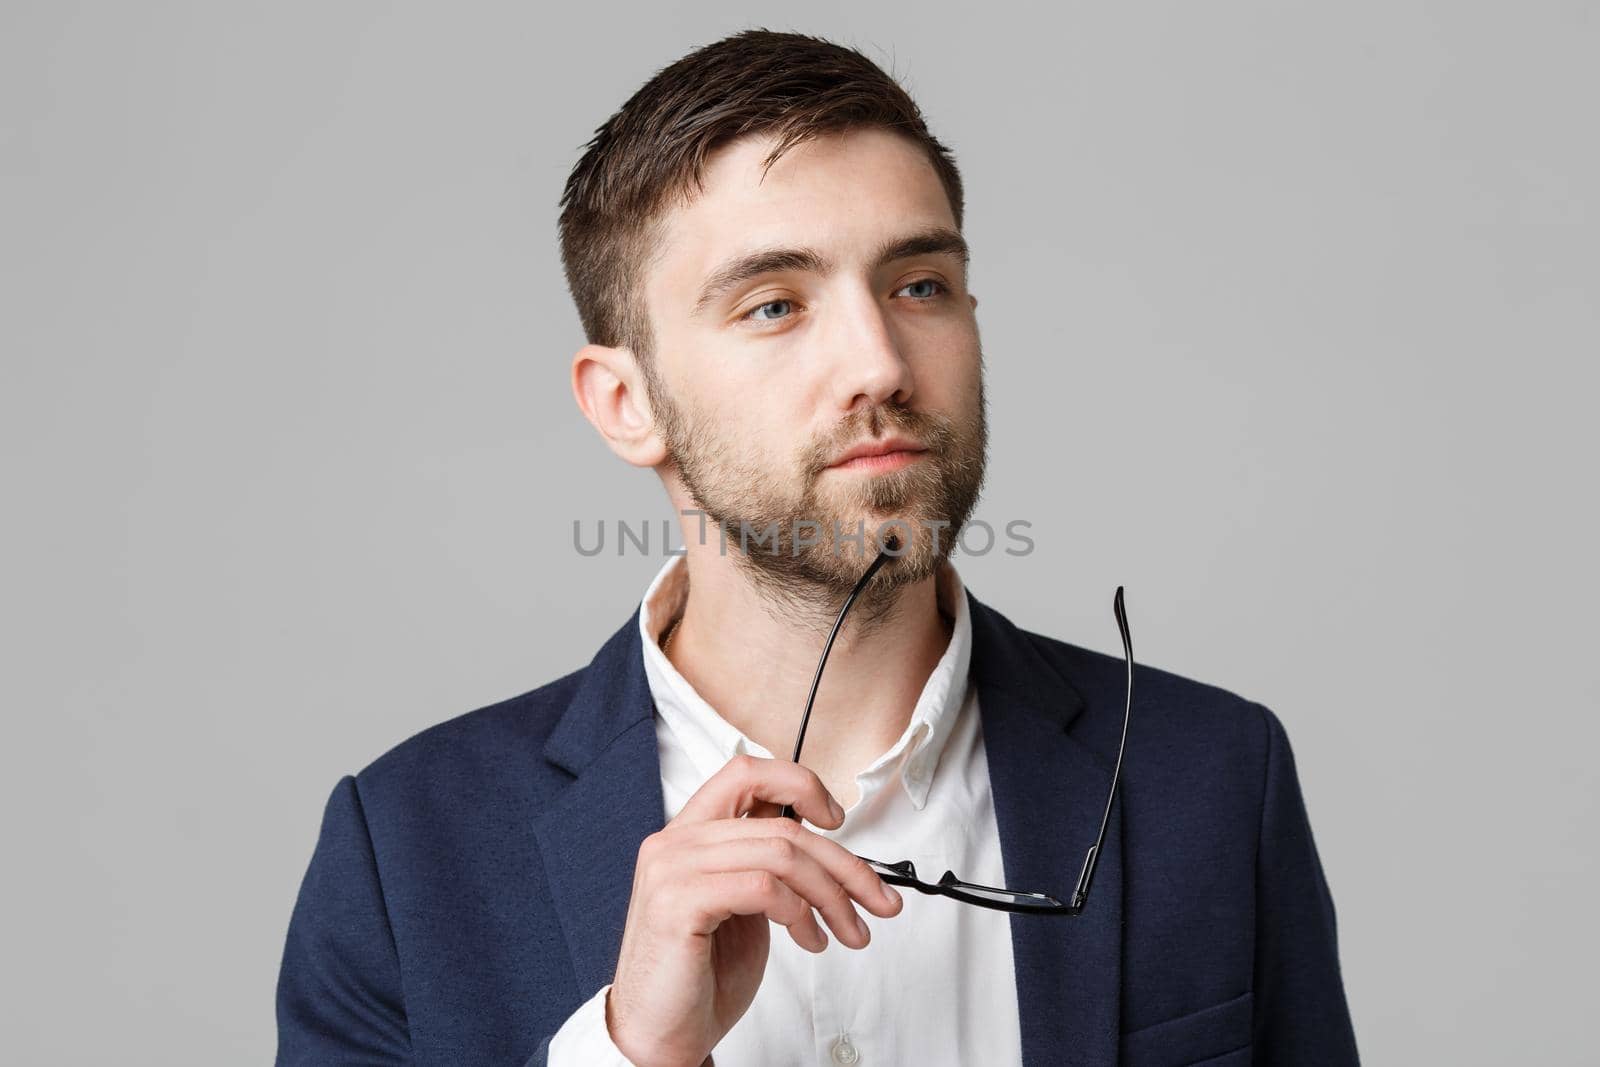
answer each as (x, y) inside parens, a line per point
(938, 240)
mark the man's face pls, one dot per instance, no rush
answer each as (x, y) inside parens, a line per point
(856, 330)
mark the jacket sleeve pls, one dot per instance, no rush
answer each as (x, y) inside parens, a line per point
(1301, 1017)
(339, 992)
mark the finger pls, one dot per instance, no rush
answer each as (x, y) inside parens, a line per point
(798, 870)
(692, 844)
(745, 781)
(711, 899)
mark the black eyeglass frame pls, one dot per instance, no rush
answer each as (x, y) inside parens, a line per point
(904, 873)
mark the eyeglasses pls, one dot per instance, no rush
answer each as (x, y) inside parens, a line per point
(984, 896)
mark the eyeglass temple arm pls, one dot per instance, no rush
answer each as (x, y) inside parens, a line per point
(1081, 893)
(890, 547)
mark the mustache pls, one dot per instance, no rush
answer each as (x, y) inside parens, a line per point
(934, 431)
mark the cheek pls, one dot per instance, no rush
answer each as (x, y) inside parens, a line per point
(949, 374)
(756, 426)
(781, 429)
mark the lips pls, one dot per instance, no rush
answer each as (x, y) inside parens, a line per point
(887, 450)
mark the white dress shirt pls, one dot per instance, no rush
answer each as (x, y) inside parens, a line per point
(936, 985)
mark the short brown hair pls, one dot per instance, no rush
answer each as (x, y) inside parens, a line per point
(754, 82)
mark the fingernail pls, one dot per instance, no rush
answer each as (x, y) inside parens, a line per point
(833, 806)
(889, 894)
(861, 925)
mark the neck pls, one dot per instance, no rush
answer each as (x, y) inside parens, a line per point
(751, 653)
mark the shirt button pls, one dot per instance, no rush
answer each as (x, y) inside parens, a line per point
(844, 1052)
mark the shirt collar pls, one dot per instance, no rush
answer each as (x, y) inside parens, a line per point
(710, 741)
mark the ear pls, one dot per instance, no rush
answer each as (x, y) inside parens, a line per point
(609, 388)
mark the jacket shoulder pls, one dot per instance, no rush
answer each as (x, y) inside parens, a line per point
(1174, 717)
(474, 753)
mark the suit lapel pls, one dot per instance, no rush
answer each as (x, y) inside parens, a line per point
(590, 833)
(1049, 793)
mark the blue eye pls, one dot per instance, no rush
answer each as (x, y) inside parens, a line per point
(761, 307)
(775, 311)
(938, 287)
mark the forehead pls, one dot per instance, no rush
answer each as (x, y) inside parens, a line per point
(841, 192)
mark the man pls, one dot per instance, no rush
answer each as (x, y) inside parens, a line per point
(765, 248)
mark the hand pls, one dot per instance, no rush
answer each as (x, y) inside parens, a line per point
(704, 890)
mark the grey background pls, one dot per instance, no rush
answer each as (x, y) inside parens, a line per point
(1290, 315)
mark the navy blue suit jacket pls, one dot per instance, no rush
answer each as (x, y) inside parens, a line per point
(469, 889)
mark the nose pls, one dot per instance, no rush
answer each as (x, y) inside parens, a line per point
(869, 367)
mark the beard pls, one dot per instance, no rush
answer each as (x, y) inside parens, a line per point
(805, 537)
